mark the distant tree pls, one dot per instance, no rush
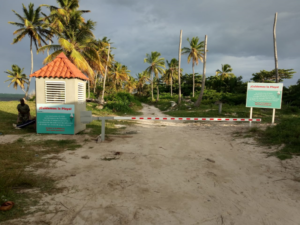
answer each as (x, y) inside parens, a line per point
(142, 79)
(31, 25)
(156, 67)
(225, 72)
(17, 77)
(270, 76)
(196, 53)
(171, 73)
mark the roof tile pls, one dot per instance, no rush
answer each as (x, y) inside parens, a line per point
(60, 67)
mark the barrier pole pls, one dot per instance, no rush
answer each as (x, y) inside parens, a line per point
(251, 111)
(103, 130)
(273, 117)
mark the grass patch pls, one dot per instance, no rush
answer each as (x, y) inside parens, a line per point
(9, 113)
(286, 133)
(17, 159)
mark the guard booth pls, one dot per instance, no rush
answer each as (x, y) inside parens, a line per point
(60, 97)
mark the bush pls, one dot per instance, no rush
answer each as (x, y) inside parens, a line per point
(234, 99)
(121, 102)
(287, 132)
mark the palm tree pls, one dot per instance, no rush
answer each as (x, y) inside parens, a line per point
(78, 45)
(173, 67)
(156, 67)
(131, 84)
(32, 26)
(17, 77)
(118, 74)
(61, 16)
(224, 73)
(195, 52)
(142, 79)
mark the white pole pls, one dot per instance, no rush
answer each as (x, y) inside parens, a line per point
(273, 117)
(251, 111)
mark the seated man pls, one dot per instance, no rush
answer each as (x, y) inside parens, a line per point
(24, 117)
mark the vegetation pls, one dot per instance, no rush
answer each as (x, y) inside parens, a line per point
(156, 67)
(195, 52)
(18, 182)
(17, 77)
(31, 25)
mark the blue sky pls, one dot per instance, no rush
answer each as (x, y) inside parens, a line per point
(240, 33)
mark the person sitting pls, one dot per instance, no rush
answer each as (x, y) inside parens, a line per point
(24, 117)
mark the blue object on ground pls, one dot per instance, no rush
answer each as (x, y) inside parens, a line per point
(29, 122)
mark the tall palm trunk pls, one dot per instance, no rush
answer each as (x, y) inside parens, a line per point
(95, 82)
(172, 84)
(104, 80)
(89, 90)
(152, 86)
(179, 62)
(199, 100)
(193, 80)
(31, 71)
(157, 88)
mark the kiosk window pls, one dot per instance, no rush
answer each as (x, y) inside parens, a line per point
(81, 92)
(55, 92)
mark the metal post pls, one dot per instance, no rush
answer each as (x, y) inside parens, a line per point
(251, 111)
(273, 117)
(103, 130)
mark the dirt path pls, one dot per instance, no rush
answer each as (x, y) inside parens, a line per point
(172, 173)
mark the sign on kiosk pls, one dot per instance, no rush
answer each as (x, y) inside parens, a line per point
(264, 95)
(55, 119)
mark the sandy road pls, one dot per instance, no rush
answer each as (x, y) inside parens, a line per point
(172, 173)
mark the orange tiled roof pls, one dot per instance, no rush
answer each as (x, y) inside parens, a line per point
(60, 67)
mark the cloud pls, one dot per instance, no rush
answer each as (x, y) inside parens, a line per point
(239, 33)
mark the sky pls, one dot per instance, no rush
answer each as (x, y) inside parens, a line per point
(239, 33)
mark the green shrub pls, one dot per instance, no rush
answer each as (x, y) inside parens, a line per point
(121, 102)
(287, 132)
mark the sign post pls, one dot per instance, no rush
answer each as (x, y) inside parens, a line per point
(264, 95)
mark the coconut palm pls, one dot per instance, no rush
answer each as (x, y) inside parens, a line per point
(172, 72)
(61, 16)
(142, 79)
(78, 45)
(118, 74)
(225, 72)
(17, 77)
(156, 67)
(196, 53)
(131, 84)
(31, 25)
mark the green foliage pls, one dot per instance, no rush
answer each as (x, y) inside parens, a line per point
(291, 95)
(121, 102)
(233, 99)
(286, 132)
(270, 76)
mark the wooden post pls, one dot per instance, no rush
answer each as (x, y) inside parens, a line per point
(220, 107)
(198, 102)
(103, 130)
(179, 62)
(103, 89)
(275, 48)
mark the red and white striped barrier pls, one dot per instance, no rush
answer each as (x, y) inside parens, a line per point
(188, 119)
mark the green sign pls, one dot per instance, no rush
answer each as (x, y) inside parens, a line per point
(264, 95)
(55, 119)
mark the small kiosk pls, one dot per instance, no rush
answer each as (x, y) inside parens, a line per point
(60, 97)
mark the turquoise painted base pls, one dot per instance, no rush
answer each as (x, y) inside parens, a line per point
(55, 123)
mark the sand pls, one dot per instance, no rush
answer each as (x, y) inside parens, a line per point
(171, 173)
